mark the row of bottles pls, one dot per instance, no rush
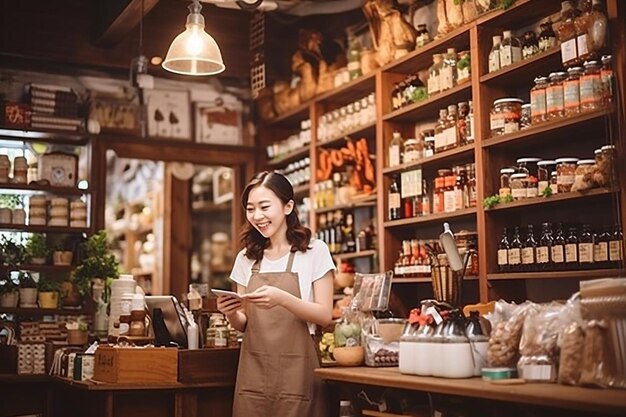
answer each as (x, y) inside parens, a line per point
(447, 71)
(337, 229)
(413, 260)
(559, 249)
(332, 192)
(292, 143)
(507, 49)
(334, 124)
(298, 172)
(454, 128)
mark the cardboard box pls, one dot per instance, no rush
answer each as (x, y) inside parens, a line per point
(136, 365)
(208, 365)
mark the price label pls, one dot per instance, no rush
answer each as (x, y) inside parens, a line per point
(411, 183)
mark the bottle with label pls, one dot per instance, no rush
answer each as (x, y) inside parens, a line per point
(591, 29)
(547, 38)
(348, 234)
(494, 54)
(515, 251)
(339, 236)
(582, 25)
(393, 199)
(616, 247)
(463, 109)
(571, 91)
(528, 251)
(591, 95)
(557, 252)
(434, 73)
(566, 32)
(451, 132)
(354, 56)
(607, 79)
(345, 409)
(601, 249)
(448, 74)
(396, 147)
(426, 204)
(555, 96)
(503, 252)
(440, 127)
(510, 50)
(469, 120)
(538, 106)
(571, 249)
(585, 248)
(544, 247)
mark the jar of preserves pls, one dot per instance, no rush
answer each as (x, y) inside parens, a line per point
(554, 182)
(532, 186)
(583, 175)
(505, 116)
(566, 173)
(543, 174)
(571, 91)
(411, 151)
(554, 96)
(20, 170)
(518, 186)
(591, 87)
(607, 78)
(505, 182)
(607, 167)
(538, 100)
(527, 166)
(547, 38)
(525, 120)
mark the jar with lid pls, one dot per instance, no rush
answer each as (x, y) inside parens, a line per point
(532, 186)
(591, 87)
(510, 49)
(505, 116)
(583, 175)
(571, 91)
(607, 168)
(411, 151)
(434, 80)
(371, 106)
(525, 120)
(554, 182)
(566, 32)
(448, 74)
(518, 186)
(547, 38)
(543, 174)
(554, 96)
(607, 79)
(505, 182)
(530, 46)
(538, 100)
(429, 143)
(5, 167)
(566, 173)
(527, 166)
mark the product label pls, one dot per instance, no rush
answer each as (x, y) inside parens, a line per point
(410, 156)
(581, 44)
(565, 179)
(510, 55)
(433, 84)
(450, 136)
(615, 251)
(494, 61)
(531, 192)
(518, 193)
(571, 94)
(557, 254)
(394, 200)
(568, 51)
(554, 98)
(543, 254)
(515, 256)
(447, 78)
(394, 155)
(528, 256)
(585, 252)
(538, 102)
(411, 183)
(542, 185)
(590, 88)
(503, 257)
(601, 252)
(496, 121)
(571, 252)
(449, 201)
(439, 140)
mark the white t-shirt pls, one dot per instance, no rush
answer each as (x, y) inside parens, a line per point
(310, 266)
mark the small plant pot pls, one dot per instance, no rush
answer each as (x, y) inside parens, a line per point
(28, 297)
(70, 297)
(48, 299)
(19, 216)
(76, 337)
(38, 261)
(62, 258)
(10, 299)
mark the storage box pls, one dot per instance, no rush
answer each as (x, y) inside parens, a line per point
(136, 365)
(208, 365)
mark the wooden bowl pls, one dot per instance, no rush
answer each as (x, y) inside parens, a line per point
(349, 356)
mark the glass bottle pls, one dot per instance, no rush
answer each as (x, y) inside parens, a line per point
(393, 199)
(554, 182)
(544, 247)
(494, 54)
(530, 45)
(438, 191)
(503, 252)
(426, 204)
(471, 184)
(510, 50)
(451, 131)
(396, 147)
(566, 32)
(349, 237)
(554, 96)
(582, 24)
(538, 107)
(547, 38)
(571, 249)
(469, 120)
(616, 247)
(440, 138)
(354, 56)
(528, 250)
(557, 252)
(591, 96)
(515, 251)
(434, 83)
(571, 91)
(345, 409)
(429, 143)
(591, 29)
(448, 72)
(606, 77)
(585, 247)
(601, 249)
(543, 174)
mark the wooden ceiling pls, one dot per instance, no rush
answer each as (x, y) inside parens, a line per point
(105, 34)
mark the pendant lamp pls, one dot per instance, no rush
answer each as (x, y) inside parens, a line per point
(194, 52)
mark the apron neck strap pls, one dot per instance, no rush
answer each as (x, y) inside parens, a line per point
(256, 266)
(292, 255)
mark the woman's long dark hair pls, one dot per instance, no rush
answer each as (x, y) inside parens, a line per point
(298, 235)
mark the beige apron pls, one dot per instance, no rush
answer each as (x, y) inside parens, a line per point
(275, 376)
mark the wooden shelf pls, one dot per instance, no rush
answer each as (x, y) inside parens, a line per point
(557, 130)
(369, 201)
(379, 414)
(446, 157)
(428, 108)
(417, 280)
(555, 198)
(42, 229)
(290, 157)
(33, 312)
(355, 255)
(52, 136)
(521, 14)
(301, 190)
(431, 218)
(581, 274)
(208, 207)
(351, 91)
(367, 131)
(27, 378)
(33, 188)
(522, 70)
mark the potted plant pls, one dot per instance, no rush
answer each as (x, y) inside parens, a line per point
(77, 333)
(62, 257)
(36, 249)
(11, 252)
(28, 290)
(70, 295)
(9, 294)
(97, 264)
(48, 295)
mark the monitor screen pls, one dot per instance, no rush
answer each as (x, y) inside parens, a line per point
(173, 318)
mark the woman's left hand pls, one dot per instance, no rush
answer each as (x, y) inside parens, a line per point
(266, 296)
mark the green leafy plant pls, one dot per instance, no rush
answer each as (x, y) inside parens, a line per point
(37, 247)
(493, 200)
(83, 327)
(505, 4)
(98, 263)
(11, 201)
(26, 280)
(11, 252)
(547, 192)
(464, 62)
(48, 285)
(7, 285)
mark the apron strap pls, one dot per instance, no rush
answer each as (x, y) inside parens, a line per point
(256, 267)
(292, 255)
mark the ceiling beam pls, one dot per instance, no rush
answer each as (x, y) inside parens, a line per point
(118, 18)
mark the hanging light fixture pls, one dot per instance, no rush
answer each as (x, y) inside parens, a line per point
(194, 52)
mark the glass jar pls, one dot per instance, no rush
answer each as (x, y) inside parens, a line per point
(566, 174)
(554, 96)
(20, 170)
(527, 166)
(411, 151)
(347, 330)
(583, 175)
(510, 49)
(505, 116)
(547, 38)
(530, 46)
(566, 32)
(571, 91)
(554, 182)
(463, 67)
(505, 182)
(608, 167)
(591, 87)
(543, 174)
(434, 81)
(518, 186)
(429, 143)
(607, 76)
(532, 186)
(538, 100)
(525, 120)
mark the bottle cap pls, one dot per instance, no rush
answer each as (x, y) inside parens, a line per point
(344, 403)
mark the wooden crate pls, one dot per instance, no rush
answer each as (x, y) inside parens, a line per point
(136, 365)
(208, 365)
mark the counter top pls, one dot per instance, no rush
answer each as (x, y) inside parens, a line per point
(107, 386)
(588, 399)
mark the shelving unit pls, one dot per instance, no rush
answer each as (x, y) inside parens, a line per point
(28, 189)
(34, 312)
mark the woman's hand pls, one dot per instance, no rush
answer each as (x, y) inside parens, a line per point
(266, 297)
(228, 305)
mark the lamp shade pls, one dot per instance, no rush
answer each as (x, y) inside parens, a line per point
(194, 52)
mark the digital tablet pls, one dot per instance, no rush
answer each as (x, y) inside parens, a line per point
(231, 294)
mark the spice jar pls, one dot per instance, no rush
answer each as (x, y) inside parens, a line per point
(525, 165)
(411, 151)
(505, 182)
(583, 176)
(554, 96)
(5, 166)
(554, 179)
(566, 173)
(531, 186)
(505, 116)
(518, 186)
(571, 91)
(20, 170)
(591, 87)
(547, 38)
(543, 174)
(538, 100)
(526, 118)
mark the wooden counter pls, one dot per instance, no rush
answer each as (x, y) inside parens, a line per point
(610, 401)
